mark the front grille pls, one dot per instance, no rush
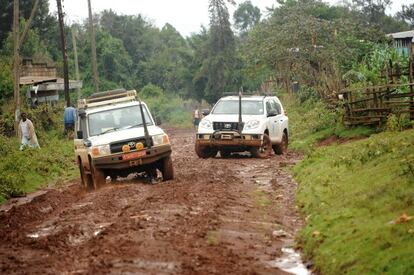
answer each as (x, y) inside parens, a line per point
(226, 126)
(117, 146)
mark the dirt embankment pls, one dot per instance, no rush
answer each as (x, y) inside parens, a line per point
(219, 216)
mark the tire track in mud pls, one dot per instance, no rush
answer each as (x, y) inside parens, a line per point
(219, 216)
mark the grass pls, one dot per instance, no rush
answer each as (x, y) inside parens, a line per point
(311, 121)
(25, 171)
(353, 195)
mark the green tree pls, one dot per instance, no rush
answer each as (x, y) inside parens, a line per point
(373, 12)
(42, 22)
(407, 14)
(221, 62)
(307, 41)
(246, 16)
(6, 78)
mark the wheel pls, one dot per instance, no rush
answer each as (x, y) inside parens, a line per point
(167, 169)
(83, 175)
(225, 154)
(282, 148)
(98, 177)
(263, 151)
(205, 151)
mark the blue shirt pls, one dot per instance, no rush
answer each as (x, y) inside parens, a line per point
(69, 116)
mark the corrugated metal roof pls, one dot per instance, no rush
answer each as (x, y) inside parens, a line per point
(402, 35)
(32, 80)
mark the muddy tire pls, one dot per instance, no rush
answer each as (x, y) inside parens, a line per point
(152, 173)
(282, 148)
(167, 169)
(98, 177)
(83, 175)
(263, 151)
(205, 151)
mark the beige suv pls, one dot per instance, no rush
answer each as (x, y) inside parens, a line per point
(116, 136)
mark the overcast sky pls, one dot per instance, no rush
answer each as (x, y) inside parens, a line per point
(187, 16)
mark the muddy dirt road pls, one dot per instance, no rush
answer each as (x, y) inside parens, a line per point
(219, 216)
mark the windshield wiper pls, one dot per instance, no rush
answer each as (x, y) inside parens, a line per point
(109, 130)
(133, 126)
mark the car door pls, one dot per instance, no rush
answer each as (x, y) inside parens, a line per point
(271, 119)
(80, 148)
(280, 120)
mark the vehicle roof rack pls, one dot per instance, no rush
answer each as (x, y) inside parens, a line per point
(246, 94)
(107, 97)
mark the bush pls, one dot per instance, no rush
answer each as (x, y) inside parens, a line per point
(169, 108)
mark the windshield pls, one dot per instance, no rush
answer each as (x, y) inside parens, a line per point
(231, 107)
(116, 119)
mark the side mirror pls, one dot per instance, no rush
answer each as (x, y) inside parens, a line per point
(79, 134)
(158, 121)
(87, 143)
(82, 113)
(271, 113)
(205, 112)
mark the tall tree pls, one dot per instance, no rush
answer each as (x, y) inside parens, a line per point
(373, 13)
(246, 16)
(407, 14)
(41, 22)
(221, 62)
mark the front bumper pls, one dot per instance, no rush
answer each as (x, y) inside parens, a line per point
(224, 139)
(116, 161)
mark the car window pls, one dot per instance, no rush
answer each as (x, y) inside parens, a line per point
(228, 107)
(117, 119)
(270, 106)
(277, 107)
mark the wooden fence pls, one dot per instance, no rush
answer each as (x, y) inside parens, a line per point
(372, 105)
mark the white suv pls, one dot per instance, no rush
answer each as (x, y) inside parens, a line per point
(261, 125)
(116, 135)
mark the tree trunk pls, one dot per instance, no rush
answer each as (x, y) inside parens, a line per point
(16, 65)
(75, 51)
(93, 47)
(64, 53)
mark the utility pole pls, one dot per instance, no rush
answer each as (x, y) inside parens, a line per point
(16, 67)
(64, 52)
(18, 42)
(75, 51)
(93, 46)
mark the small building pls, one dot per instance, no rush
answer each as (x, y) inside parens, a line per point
(43, 83)
(403, 41)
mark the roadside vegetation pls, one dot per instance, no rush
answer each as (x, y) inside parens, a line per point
(312, 121)
(358, 202)
(25, 171)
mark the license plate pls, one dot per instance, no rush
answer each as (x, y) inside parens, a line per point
(134, 155)
(135, 162)
(227, 137)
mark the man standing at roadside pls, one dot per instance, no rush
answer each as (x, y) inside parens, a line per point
(26, 133)
(69, 117)
(196, 117)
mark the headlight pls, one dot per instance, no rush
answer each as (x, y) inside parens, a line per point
(160, 140)
(101, 150)
(205, 123)
(252, 124)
